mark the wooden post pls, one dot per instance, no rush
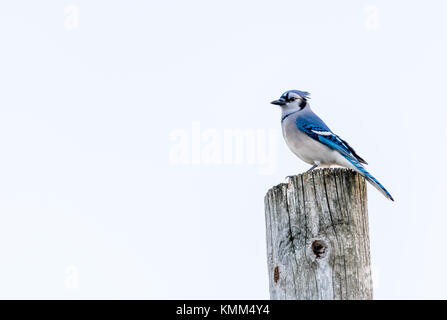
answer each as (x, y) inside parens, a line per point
(318, 237)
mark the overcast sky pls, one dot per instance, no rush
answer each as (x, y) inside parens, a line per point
(137, 140)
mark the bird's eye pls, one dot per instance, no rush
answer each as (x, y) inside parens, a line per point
(292, 99)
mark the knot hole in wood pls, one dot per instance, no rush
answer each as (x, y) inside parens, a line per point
(319, 248)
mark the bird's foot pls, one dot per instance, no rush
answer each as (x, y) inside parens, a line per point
(313, 167)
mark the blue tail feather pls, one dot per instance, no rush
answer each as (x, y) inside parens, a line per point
(369, 177)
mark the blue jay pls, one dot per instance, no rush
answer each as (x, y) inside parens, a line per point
(313, 142)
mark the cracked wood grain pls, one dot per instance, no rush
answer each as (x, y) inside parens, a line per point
(318, 237)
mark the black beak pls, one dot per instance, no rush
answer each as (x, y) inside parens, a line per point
(279, 102)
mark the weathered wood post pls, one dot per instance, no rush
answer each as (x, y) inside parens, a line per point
(318, 237)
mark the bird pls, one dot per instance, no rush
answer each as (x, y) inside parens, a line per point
(309, 138)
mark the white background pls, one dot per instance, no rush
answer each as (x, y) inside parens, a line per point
(93, 206)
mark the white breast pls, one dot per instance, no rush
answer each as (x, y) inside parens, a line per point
(308, 149)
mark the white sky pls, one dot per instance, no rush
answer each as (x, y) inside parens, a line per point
(97, 97)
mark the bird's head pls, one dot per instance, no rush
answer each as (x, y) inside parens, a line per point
(292, 100)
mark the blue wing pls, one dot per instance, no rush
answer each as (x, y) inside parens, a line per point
(315, 128)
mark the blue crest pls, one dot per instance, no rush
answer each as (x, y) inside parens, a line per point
(302, 94)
